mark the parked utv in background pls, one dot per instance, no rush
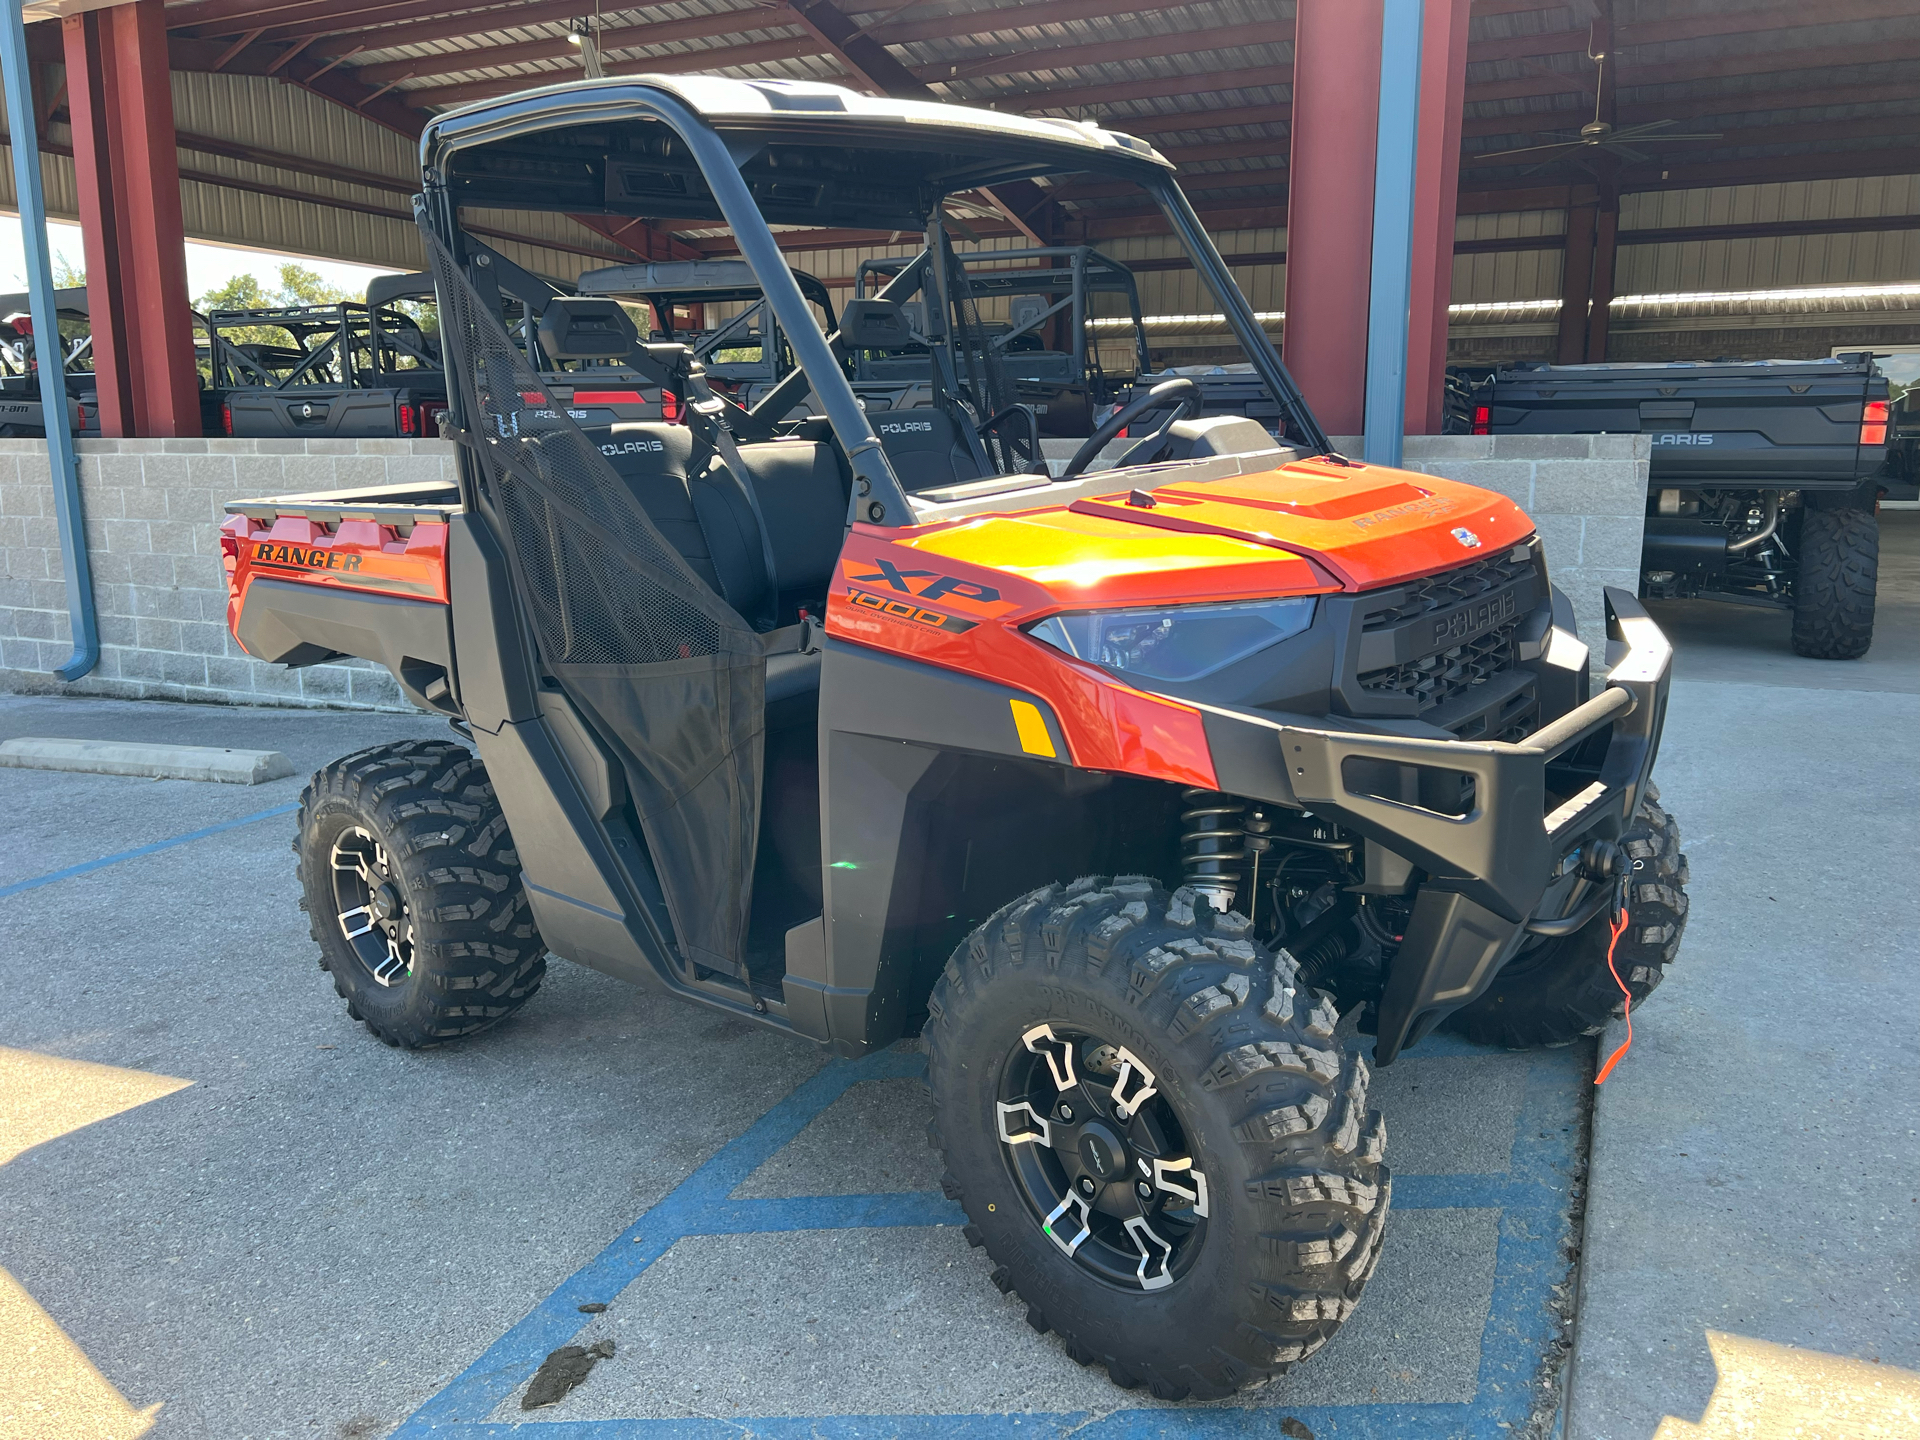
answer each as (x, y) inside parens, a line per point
(1115, 790)
(1043, 304)
(1764, 481)
(21, 414)
(744, 355)
(346, 371)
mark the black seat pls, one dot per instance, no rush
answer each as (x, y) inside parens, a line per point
(802, 492)
(926, 448)
(709, 524)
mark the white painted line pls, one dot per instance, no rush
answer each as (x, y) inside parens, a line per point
(155, 762)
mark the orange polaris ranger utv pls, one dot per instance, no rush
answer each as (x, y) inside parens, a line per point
(1114, 786)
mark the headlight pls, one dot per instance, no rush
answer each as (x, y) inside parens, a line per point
(1175, 642)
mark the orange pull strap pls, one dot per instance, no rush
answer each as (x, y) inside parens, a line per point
(1613, 940)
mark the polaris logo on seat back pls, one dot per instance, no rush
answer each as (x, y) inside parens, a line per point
(1683, 438)
(634, 447)
(906, 427)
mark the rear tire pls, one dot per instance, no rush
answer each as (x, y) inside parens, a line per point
(1562, 989)
(1834, 591)
(412, 889)
(1254, 1095)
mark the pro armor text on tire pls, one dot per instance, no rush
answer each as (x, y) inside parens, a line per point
(412, 889)
(1561, 989)
(1155, 1135)
(1834, 591)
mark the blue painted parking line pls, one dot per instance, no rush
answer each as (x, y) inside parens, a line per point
(90, 866)
(1533, 1231)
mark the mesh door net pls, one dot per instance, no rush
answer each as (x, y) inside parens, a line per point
(667, 671)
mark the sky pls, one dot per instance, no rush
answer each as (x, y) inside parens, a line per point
(208, 266)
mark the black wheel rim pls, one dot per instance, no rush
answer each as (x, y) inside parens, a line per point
(371, 907)
(1101, 1158)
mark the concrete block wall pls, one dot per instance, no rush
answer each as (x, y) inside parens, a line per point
(153, 510)
(1587, 494)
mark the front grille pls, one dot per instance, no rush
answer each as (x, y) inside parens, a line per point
(1453, 587)
(1434, 680)
(1441, 679)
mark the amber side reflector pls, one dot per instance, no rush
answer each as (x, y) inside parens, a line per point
(1032, 728)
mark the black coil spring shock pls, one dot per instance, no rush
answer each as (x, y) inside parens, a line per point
(1212, 847)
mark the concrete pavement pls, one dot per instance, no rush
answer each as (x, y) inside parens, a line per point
(1755, 1169)
(319, 1236)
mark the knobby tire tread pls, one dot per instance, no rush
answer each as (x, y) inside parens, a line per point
(1274, 1107)
(1834, 590)
(1566, 990)
(477, 954)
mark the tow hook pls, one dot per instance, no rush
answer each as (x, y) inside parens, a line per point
(1602, 860)
(1605, 864)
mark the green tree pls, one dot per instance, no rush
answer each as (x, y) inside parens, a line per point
(242, 292)
(301, 286)
(298, 286)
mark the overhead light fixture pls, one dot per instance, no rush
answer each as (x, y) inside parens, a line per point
(580, 33)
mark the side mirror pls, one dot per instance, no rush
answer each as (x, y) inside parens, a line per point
(875, 325)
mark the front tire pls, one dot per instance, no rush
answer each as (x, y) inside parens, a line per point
(1110, 1042)
(1834, 590)
(412, 889)
(1562, 988)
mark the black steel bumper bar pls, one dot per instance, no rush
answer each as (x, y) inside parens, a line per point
(1487, 870)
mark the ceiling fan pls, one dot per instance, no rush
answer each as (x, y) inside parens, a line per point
(1602, 135)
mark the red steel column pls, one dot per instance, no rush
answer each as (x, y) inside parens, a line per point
(94, 116)
(153, 255)
(1605, 256)
(1436, 197)
(1336, 109)
(120, 98)
(1576, 286)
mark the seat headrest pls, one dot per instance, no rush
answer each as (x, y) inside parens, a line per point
(585, 328)
(874, 325)
(918, 429)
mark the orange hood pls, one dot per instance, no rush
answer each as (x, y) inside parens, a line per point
(1311, 525)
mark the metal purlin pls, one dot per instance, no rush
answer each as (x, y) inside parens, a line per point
(29, 196)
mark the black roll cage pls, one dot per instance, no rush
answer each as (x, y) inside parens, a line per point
(792, 117)
(345, 326)
(1077, 271)
(664, 297)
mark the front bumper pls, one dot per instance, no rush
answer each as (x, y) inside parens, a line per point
(1503, 863)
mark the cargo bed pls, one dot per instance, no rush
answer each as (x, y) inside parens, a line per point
(365, 568)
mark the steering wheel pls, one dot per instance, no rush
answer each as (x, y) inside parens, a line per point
(1180, 392)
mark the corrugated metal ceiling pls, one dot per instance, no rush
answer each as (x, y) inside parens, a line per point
(1161, 68)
